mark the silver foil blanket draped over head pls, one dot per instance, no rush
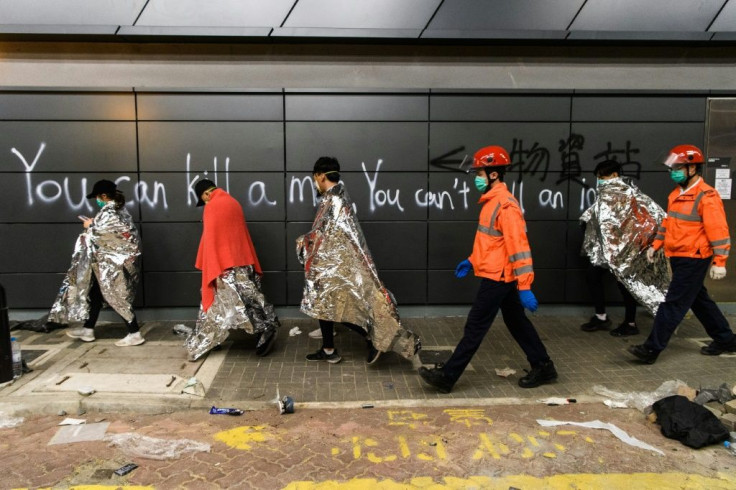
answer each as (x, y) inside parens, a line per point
(109, 249)
(341, 281)
(620, 226)
(239, 303)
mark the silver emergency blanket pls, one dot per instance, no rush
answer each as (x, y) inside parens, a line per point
(620, 227)
(239, 303)
(341, 280)
(109, 249)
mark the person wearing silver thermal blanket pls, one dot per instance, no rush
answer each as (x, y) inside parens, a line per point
(341, 281)
(104, 269)
(619, 227)
(231, 277)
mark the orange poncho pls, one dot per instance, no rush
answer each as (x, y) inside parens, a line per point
(225, 243)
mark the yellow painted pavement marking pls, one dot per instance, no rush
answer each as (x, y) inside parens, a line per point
(243, 437)
(640, 481)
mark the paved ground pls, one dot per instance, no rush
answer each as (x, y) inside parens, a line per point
(398, 448)
(483, 435)
(153, 374)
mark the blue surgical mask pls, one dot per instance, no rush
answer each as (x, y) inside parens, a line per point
(100, 202)
(678, 176)
(480, 183)
(600, 182)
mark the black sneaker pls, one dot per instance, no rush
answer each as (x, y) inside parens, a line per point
(717, 348)
(643, 354)
(436, 378)
(321, 355)
(539, 375)
(373, 353)
(595, 323)
(266, 342)
(625, 330)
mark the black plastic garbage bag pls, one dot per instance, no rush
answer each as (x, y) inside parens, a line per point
(688, 422)
(38, 325)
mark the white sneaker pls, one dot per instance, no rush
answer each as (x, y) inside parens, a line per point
(317, 334)
(130, 340)
(81, 333)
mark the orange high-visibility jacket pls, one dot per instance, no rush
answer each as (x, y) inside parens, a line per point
(501, 250)
(695, 225)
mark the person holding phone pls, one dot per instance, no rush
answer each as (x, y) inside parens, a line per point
(104, 269)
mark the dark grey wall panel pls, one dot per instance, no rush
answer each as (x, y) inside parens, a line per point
(171, 289)
(637, 146)
(397, 245)
(409, 287)
(171, 197)
(356, 108)
(499, 108)
(548, 286)
(211, 146)
(629, 109)
(31, 290)
(103, 146)
(397, 145)
(65, 106)
(57, 198)
(214, 107)
(547, 240)
(445, 289)
(33, 248)
(575, 233)
(449, 243)
(295, 288)
(293, 231)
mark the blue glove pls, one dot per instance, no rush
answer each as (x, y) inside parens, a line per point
(463, 268)
(528, 300)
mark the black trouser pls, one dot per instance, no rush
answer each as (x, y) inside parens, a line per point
(686, 291)
(328, 332)
(492, 296)
(95, 305)
(595, 281)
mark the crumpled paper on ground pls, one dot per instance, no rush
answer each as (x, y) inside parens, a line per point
(597, 424)
(294, 331)
(641, 400)
(505, 372)
(151, 448)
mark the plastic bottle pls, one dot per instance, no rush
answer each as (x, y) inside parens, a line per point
(17, 358)
(731, 448)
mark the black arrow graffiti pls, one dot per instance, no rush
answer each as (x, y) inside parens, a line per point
(453, 164)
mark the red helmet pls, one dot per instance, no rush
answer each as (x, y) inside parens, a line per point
(684, 154)
(491, 156)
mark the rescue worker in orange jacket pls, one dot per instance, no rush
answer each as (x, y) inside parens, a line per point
(694, 236)
(502, 258)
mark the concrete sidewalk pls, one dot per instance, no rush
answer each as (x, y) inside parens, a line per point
(150, 378)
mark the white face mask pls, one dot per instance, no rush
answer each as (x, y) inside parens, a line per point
(316, 187)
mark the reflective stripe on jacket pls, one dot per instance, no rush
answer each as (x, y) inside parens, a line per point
(695, 225)
(501, 250)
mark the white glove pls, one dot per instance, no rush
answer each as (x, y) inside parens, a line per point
(650, 255)
(717, 273)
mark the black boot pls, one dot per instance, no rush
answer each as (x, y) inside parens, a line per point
(644, 354)
(436, 378)
(266, 342)
(541, 374)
